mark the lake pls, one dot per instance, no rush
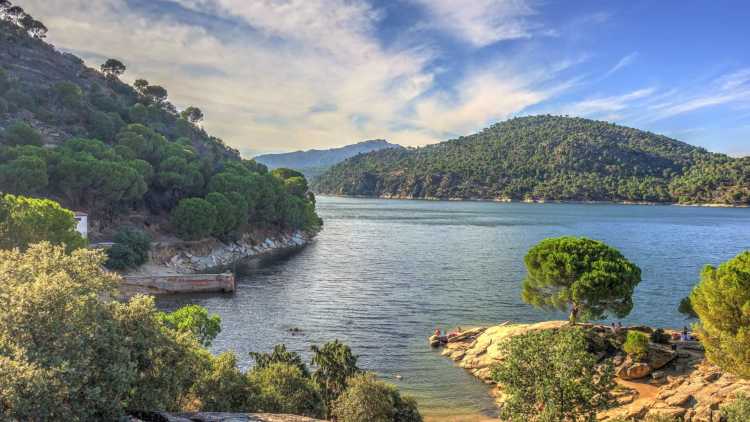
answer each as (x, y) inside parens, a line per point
(383, 274)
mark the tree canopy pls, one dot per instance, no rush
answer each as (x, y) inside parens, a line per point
(24, 221)
(113, 68)
(722, 302)
(583, 276)
(547, 158)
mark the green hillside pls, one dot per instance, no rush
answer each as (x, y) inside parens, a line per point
(547, 158)
(125, 153)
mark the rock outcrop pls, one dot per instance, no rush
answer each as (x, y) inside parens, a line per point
(217, 417)
(212, 255)
(679, 383)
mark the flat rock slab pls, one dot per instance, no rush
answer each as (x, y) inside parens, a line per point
(218, 417)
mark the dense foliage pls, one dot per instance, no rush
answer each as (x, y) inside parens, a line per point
(636, 344)
(130, 249)
(366, 399)
(722, 302)
(738, 410)
(582, 275)
(195, 320)
(547, 158)
(70, 352)
(550, 376)
(123, 149)
(335, 364)
(24, 221)
(66, 354)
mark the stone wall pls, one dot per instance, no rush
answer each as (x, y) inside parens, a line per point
(182, 283)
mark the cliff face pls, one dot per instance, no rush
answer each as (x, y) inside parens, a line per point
(681, 384)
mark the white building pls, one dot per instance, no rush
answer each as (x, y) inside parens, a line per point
(82, 226)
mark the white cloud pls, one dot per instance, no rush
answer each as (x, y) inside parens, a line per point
(258, 87)
(605, 107)
(624, 62)
(483, 22)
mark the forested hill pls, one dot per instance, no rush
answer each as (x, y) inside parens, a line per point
(547, 158)
(315, 161)
(124, 153)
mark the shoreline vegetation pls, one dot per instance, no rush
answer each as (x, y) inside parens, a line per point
(530, 201)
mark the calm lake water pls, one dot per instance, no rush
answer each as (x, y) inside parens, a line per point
(384, 273)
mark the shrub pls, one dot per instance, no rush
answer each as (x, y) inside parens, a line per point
(69, 95)
(279, 355)
(195, 320)
(738, 410)
(28, 220)
(67, 353)
(335, 364)
(283, 388)
(194, 218)
(659, 336)
(550, 375)
(636, 344)
(130, 249)
(224, 388)
(20, 133)
(368, 400)
(722, 301)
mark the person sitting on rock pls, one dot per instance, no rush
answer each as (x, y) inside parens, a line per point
(437, 332)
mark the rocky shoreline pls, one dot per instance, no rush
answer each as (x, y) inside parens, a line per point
(212, 255)
(210, 262)
(534, 201)
(679, 383)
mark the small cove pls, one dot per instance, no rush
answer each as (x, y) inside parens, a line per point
(384, 273)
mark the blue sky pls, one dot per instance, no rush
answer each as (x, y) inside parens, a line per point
(280, 75)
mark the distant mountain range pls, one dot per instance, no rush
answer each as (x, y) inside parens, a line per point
(548, 158)
(314, 162)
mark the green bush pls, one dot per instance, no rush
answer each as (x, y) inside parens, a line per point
(25, 221)
(69, 95)
(194, 218)
(549, 375)
(659, 336)
(224, 388)
(335, 364)
(279, 355)
(636, 344)
(130, 249)
(722, 301)
(366, 399)
(283, 388)
(738, 410)
(20, 133)
(67, 353)
(194, 319)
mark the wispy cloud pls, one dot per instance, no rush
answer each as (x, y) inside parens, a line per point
(483, 22)
(606, 107)
(731, 88)
(624, 62)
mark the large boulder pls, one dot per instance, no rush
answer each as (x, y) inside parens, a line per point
(658, 356)
(632, 370)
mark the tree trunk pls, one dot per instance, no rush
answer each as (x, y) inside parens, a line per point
(573, 315)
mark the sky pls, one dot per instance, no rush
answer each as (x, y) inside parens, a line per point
(283, 75)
